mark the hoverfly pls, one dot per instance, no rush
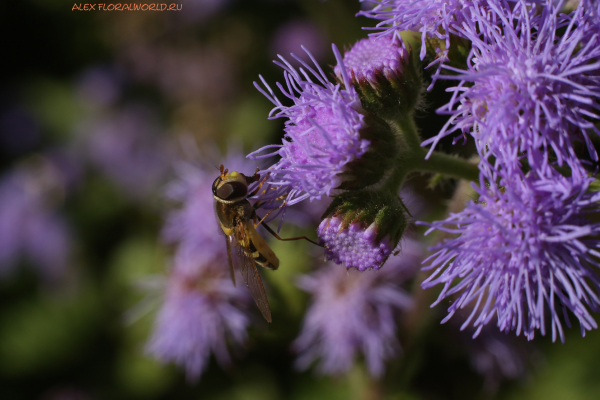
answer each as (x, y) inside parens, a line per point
(238, 220)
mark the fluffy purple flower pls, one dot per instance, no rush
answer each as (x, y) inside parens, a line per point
(385, 78)
(361, 228)
(30, 228)
(356, 246)
(353, 313)
(531, 85)
(432, 18)
(201, 313)
(525, 252)
(322, 133)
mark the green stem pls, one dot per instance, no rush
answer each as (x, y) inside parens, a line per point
(412, 157)
(404, 127)
(446, 164)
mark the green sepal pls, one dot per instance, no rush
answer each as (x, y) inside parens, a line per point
(367, 206)
(390, 95)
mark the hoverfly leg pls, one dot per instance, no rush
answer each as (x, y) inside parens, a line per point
(267, 214)
(260, 203)
(272, 232)
(254, 179)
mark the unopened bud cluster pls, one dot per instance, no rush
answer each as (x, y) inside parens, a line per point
(361, 228)
(339, 142)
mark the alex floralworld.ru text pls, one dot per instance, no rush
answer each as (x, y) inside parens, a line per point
(127, 7)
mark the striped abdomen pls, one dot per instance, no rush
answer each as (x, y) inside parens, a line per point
(259, 250)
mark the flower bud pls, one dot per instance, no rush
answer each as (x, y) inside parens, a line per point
(361, 228)
(383, 74)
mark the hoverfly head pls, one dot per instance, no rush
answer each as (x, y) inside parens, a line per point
(230, 187)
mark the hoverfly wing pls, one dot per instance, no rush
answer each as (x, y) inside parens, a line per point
(250, 274)
(228, 240)
(225, 219)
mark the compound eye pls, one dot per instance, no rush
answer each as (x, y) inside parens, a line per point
(232, 190)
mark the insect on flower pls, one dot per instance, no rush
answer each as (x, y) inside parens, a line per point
(238, 219)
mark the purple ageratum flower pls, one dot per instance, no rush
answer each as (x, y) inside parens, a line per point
(353, 313)
(532, 84)
(202, 312)
(370, 56)
(361, 228)
(432, 18)
(30, 228)
(356, 246)
(321, 134)
(383, 74)
(524, 252)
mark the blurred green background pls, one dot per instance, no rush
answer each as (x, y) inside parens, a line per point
(68, 77)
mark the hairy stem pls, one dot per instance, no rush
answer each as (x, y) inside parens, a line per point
(412, 157)
(448, 165)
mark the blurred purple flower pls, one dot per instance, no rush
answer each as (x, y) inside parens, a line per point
(202, 312)
(498, 357)
(531, 87)
(30, 228)
(523, 249)
(193, 226)
(68, 166)
(353, 312)
(202, 308)
(99, 86)
(356, 246)
(128, 148)
(291, 36)
(321, 133)
(184, 75)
